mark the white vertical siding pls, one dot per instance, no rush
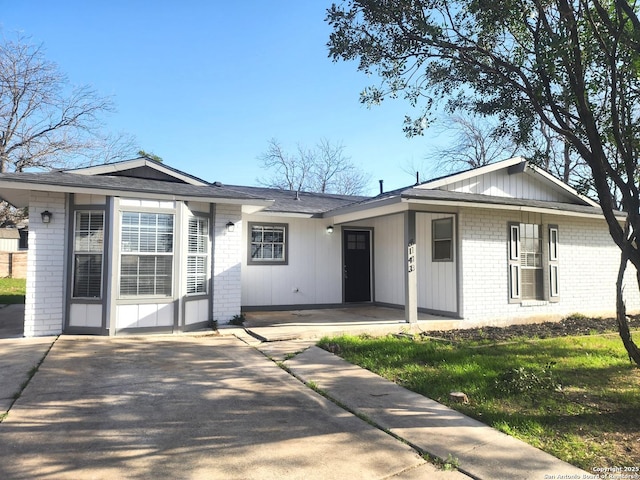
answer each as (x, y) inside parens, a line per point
(196, 311)
(44, 303)
(437, 284)
(389, 262)
(9, 244)
(587, 259)
(436, 280)
(313, 274)
(501, 184)
(85, 315)
(147, 315)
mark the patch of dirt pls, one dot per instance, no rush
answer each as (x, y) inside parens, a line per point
(573, 325)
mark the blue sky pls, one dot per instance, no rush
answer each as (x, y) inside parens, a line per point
(206, 84)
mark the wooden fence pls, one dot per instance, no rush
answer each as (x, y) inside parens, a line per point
(13, 264)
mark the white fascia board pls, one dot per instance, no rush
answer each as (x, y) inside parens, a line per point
(379, 211)
(363, 207)
(492, 167)
(250, 206)
(562, 186)
(290, 215)
(108, 168)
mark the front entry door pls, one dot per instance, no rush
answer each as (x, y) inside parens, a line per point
(357, 265)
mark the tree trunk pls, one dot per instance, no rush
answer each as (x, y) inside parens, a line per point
(621, 314)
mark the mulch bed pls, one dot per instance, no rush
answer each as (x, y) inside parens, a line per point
(569, 326)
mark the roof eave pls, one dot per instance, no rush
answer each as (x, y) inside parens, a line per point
(256, 203)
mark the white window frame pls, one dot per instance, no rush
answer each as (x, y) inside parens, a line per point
(284, 227)
(134, 251)
(549, 258)
(554, 265)
(92, 247)
(197, 253)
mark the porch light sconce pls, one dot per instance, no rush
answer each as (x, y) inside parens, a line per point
(231, 227)
(330, 229)
(46, 216)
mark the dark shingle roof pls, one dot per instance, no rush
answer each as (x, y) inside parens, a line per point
(128, 184)
(287, 201)
(436, 195)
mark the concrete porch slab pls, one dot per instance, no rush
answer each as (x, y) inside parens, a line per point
(272, 326)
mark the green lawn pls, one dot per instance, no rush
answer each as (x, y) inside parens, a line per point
(577, 398)
(12, 290)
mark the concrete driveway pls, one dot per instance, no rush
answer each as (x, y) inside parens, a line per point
(184, 407)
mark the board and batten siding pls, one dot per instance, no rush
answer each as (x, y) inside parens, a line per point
(437, 284)
(587, 258)
(312, 275)
(502, 184)
(436, 280)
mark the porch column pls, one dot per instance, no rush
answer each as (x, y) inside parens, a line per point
(411, 274)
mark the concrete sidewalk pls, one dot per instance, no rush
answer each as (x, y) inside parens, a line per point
(481, 452)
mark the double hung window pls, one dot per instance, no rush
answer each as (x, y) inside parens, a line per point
(146, 254)
(88, 245)
(197, 256)
(442, 233)
(528, 259)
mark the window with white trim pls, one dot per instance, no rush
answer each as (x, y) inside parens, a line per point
(197, 257)
(267, 244)
(146, 254)
(88, 245)
(528, 261)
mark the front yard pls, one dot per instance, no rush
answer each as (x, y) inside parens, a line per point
(576, 397)
(12, 290)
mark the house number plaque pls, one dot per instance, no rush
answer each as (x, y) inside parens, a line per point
(411, 257)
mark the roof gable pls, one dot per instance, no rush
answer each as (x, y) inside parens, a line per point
(513, 178)
(143, 168)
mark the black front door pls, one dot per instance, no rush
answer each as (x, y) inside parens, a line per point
(357, 265)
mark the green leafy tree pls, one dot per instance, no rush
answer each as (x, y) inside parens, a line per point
(570, 65)
(151, 156)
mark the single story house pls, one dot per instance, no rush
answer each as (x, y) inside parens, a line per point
(138, 246)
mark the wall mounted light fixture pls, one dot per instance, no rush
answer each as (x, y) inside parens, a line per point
(330, 229)
(231, 227)
(46, 216)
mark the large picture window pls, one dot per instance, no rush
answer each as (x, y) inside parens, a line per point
(146, 254)
(268, 244)
(88, 245)
(197, 257)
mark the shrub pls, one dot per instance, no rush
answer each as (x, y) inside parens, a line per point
(528, 380)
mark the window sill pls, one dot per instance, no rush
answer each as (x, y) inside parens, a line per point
(534, 303)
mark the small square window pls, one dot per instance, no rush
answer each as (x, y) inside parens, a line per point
(268, 244)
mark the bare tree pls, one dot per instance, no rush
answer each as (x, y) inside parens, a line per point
(288, 172)
(475, 142)
(44, 122)
(324, 169)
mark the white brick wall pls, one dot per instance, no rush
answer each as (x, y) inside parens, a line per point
(44, 303)
(588, 262)
(227, 258)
